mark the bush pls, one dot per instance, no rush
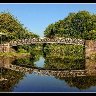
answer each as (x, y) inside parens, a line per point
(22, 50)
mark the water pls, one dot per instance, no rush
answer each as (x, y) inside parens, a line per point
(40, 63)
(37, 83)
(41, 80)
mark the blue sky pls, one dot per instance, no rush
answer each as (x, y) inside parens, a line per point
(36, 17)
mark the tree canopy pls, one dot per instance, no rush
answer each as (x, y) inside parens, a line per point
(78, 25)
(13, 29)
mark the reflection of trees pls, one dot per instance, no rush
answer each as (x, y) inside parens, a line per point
(28, 61)
(24, 61)
(81, 82)
(35, 55)
(12, 77)
(60, 63)
(62, 56)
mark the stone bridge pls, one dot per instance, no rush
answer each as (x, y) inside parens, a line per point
(90, 45)
(47, 40)
(74, 41)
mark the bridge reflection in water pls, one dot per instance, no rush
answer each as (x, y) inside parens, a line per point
(90, 69)
(13, 73)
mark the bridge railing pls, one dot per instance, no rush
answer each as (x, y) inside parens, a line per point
(47, 40)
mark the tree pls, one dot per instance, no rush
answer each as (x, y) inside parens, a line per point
(14, 29)
(50, 32)
(75, 25)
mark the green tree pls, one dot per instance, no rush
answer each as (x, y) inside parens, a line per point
(13, 28)
(75, 25)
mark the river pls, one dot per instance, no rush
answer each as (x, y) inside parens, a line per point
(45, 75)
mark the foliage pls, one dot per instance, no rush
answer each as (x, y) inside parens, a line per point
(79, 25)
(66, 51)
(81, 82)
(13, 28)
(28, 48)
(22, 50)
(28, 61)
(13, 77)
(24, 61)
(68, 64)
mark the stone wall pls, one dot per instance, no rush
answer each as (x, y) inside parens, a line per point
(90, 48)
(4, 47)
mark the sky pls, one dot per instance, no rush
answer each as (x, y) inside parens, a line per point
(36, 17)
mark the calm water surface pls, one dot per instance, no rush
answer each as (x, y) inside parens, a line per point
(35, 82)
